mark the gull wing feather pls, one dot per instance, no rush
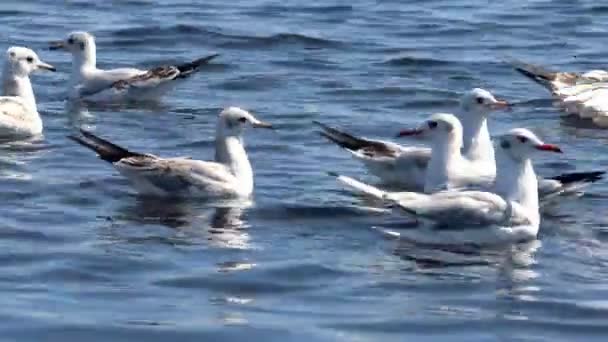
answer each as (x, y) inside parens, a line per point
(178, 175)
(15, 116)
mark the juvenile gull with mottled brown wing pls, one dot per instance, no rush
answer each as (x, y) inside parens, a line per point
(128, 83)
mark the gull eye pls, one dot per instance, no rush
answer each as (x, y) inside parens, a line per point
(505, 144)
(71, 41)
(432, 124)
(522, 140)
(242, 119)
(30, 59)
(479, 100)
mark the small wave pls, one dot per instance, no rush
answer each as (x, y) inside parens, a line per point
(416, 61)
(282, 39)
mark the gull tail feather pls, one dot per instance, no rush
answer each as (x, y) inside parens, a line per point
(534, 72)
(580, 177)
(187, 69)
(358, 187)
(342, 139)
(576, 181)
(105, 150)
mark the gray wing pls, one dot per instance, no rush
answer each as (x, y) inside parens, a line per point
(178, 175)
(467, 207)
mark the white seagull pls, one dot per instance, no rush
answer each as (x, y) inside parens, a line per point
(510, 213)
(19, 116)
(128, 83)
(582, 94)
(405, 166)
(447, 167)
(230, 175)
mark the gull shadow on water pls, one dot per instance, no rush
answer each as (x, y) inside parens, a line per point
(216, 223)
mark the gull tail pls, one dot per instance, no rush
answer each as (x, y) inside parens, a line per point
(580, 177)
(359, 188)
(342, 139)
(575, 181)
(187, 69)
(105, 150)
(534, 72)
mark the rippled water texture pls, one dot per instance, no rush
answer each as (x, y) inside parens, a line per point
(82, 258)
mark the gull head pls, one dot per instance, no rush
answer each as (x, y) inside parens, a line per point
(76, 43)
(438, 126)
(521, 144)
(233, 120)
(482, 102)
(22, 61)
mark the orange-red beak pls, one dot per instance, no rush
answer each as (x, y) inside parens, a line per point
(549, 148)
(500, 104)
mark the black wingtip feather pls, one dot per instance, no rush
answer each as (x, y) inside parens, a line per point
(574, 177)
(340, 138)
(105, 150)
(187, 69)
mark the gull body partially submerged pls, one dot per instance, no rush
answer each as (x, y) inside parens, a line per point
(88, 80)
(581, 94)
(509, 213)
(19, 117)
(229, 175)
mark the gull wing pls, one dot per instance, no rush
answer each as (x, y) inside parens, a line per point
(466, 207)
(175, 176)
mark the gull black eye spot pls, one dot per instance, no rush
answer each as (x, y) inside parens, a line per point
(242, 119)
(432, 124)
(30, 59)
(522, 140)
(505, 144)
(479, 100)
(71, 41)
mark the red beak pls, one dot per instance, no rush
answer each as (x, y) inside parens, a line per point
(549, 148)
(410, 132)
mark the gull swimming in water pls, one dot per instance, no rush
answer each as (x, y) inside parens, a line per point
(19, 116)
(128, 83)
(230, 175)
(405, 166)
(582, 94)
(509, 213)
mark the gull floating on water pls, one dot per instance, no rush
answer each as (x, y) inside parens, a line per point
(405, 166)
(464, 157)
(19, 116)
(510, 213)
(582, 94)
(449, 169)
(128, 83)
(230, 175)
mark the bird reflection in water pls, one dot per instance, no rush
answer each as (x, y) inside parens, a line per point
(219, 223)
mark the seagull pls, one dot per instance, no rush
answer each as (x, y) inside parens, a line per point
(581, 94)
(405, 166)
(510, 213)
(19, 116)
(447, 167)
(230, 175)
(128, 83)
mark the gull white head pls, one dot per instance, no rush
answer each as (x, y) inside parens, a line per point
(21, 62)
(481, 102)
(81, 45)
(520, 144)
(233, 121)
(438, 127)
